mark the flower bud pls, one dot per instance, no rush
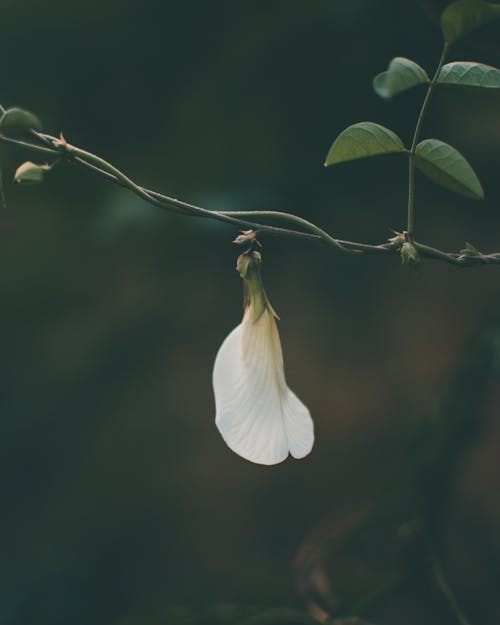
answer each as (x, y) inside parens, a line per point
(409, 254)
(30, 173)
(397, 240)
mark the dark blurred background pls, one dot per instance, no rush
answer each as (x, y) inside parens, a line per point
(121, 504)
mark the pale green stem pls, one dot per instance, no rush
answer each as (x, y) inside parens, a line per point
(156, 199)
(298, 221)
(30, 146)
(229, 215)
(414, 143)
(448, 593)
(310, 231)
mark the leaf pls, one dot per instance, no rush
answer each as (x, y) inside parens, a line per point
(464, 74)
(445, 165)
(402, 74)
(16, 121)
(464, 16)
(361, 140)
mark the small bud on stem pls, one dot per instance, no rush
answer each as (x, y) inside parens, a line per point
(410, 255)
(30, 173)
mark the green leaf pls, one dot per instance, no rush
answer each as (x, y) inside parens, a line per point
(446, 166)
(402, 74)
(361, 140)
(16, 121)
(464, 74)
(462, 17)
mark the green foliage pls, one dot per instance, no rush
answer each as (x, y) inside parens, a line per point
(362, 140)
(401, 75)
(16, 121)
(464, 16)
(445, 165)
(465, 74)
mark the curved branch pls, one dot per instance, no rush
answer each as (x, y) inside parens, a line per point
(60, 149)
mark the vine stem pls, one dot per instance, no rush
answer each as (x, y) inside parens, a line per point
(304, 229)
(414, 143)
(444, 586)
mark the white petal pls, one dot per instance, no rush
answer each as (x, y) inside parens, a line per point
(259, 417)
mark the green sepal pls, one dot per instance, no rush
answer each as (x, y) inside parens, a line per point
(469, 250)
(409, 255)
(254, 295)
(397, 240)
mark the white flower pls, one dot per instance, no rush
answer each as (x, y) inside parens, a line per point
(259, 417)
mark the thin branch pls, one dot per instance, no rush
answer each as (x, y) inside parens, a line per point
(101, 167)
(444, 586)
(308, 231)
(416, 136)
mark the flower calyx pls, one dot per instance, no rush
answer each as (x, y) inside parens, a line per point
(247, 236)
(469, 252)
(254, 295)
(397, 240)
(409, 254)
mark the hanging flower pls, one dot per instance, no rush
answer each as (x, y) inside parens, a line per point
(259, 417)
